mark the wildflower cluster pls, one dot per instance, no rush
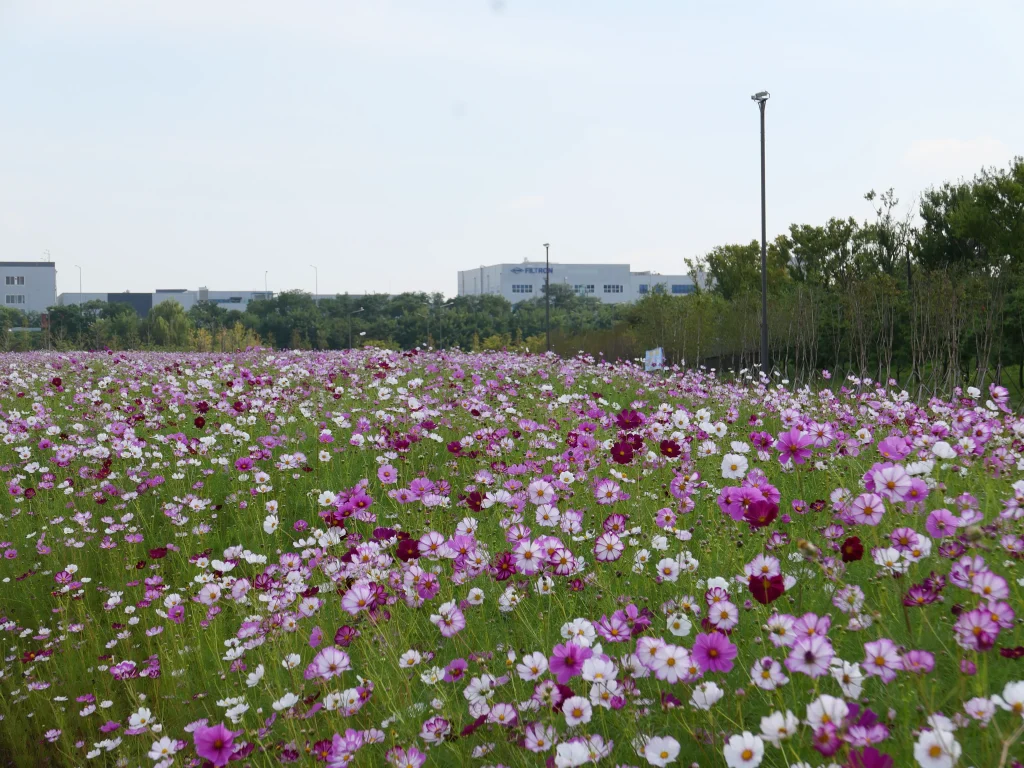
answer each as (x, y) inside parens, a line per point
(383, 558)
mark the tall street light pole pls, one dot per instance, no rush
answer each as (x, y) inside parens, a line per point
(353, 312)
(440, 322)
(265, 281)
(79, 284)
(547, 295)
(316, 285)
(762, 98)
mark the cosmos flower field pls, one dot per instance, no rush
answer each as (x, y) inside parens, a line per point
(375, 558)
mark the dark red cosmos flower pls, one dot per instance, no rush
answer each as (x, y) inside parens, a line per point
(30, 493)
(670, 448)
(628, 419)
(1012, 653)
(852, 550)
(200, 422)
(766, 590)
(471, 727)
(345, 635)
(475, 501)
(454, 447)
(919, 595)
(202, 406)
(322, 749)
(408, 549)
(622, 452)
(761, 513)
(263, 582)
(56, 381)
(504, 566)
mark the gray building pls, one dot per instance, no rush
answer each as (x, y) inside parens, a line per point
(28, 286)
(611, 283)
(143, 302)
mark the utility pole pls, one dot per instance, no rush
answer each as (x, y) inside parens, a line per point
(353, 312)
(547, 295)
(762, 98)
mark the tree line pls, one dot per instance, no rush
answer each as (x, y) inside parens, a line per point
(934, 299)
(933, 296)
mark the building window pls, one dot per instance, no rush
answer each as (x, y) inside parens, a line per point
(15, 298)
(680, 289)
(522, 289)
(14, 280)
(613, 289)
(643, 289)
(583, 289)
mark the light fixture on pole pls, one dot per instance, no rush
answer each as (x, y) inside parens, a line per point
(265, 291)
(316, 283)
(761, 98)
(547, 295)
(79, 284)
(353, 312)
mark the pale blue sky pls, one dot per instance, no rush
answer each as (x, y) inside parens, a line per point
(182, 143)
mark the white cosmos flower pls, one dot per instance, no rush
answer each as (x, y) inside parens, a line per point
(734, 466)
(744, 750)
(254, 677)
(661, 750)
(285, 702)
(936, 749)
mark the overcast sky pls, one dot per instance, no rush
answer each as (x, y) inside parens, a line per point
(173, 144)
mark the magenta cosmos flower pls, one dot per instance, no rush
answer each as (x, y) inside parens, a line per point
(793, 446)
(567, 660)
(215, 743)
(714, 652)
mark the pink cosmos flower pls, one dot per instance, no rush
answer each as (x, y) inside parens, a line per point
(793, 446)
(608, 548)
(215, 743)
(882, 658)
(359, 597)
(567, 660)
(867, 509)
(892, 483)
(724, 616)
(331, 662)
(941, 523)
(990, 586)
(976, 630)
(810, 656)
(714, 652)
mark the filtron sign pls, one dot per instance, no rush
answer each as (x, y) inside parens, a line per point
(531, 270)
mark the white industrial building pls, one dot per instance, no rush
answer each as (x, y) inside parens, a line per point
(28, 286)
(611, 283)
